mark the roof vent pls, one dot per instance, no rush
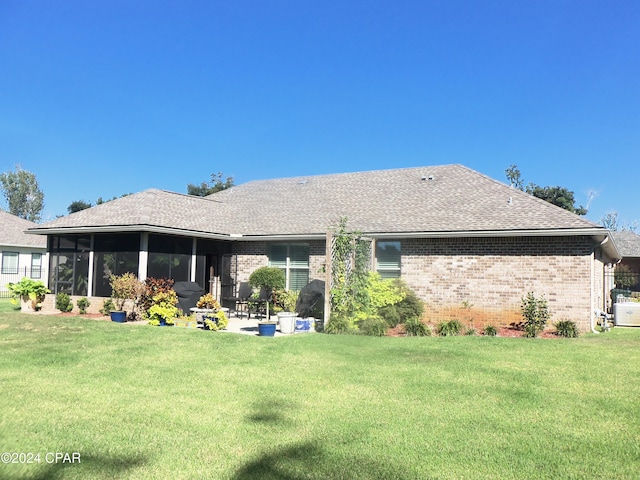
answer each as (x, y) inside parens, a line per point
(510, 201)
(424, 177)
(302, 182)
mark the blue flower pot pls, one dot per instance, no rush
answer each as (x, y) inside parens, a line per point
(119, 317)
(266, 329)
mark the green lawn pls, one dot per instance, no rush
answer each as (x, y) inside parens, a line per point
(136, 401)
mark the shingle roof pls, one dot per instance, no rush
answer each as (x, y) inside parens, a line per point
(422, 199)
(449, 198)
(12, 232)
(628, 243)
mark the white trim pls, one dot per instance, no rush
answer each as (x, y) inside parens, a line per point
(143, 256)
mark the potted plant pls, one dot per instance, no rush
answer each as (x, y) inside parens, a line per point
(164, 309)
(215, 321)
(123, 287)
(206, 304)
(268, 279)
(30, 293)
(287, 318)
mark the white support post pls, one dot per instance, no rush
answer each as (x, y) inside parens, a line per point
(143, 260)
(194, 258)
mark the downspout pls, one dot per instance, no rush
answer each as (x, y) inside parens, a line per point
(593, 310)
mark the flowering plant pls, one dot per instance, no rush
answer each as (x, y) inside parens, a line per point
(207, 301)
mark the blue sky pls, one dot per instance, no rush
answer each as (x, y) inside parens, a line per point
(101, 98)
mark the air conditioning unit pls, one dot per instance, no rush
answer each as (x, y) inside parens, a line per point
(627, 314)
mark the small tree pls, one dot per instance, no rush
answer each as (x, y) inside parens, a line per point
(535, 313)
(125, 287)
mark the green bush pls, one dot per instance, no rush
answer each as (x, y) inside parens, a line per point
(566, 328)
(470, 332)
(107, 307)
(63, 302)
(410, 306)
(83, 303)
(337, 326)
(450, 328)
(406, 305)
(390, 315)
(535, 314)
(374, 327)
(416, 328)
(268, 277)
(490, 331)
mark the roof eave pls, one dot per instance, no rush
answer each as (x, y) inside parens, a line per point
(126, 228)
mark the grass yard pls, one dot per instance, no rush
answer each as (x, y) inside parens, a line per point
(143, 402)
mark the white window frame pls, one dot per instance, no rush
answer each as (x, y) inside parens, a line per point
(396, 271)
(288, 266)
(35, 265)
(9, 269)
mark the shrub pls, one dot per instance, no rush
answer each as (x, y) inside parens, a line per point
(470, 331)
(337, 325)
(450, 328)
(107, 307)
(219, 323)
(125, 287)
(490, 331)
(163, 308)
(410, 306)
(63, 302)
(271, 278)
(566, 328)
(535, 314)
(390, 315)
(83, 303)
(207, 301)
(374, 327)
(153, 286)
(414, 327)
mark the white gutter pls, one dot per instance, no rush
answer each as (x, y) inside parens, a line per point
(125, 228)
(596, 232)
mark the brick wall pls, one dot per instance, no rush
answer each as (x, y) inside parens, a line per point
(493, 274)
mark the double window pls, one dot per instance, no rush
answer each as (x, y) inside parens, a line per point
(293, 258)
(388, 259)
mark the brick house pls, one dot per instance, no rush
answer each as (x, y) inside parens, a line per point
(452, 234)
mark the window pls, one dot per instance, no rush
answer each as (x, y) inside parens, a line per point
(69, 264)
(169, 257)
(114, 254)
(36, 265)
(10, 262)
(293, 258)
(388, 259)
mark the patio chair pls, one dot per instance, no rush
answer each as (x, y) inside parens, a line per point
(261, 302)
(242, 299)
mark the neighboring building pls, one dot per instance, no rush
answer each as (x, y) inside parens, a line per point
(452, 234)
(628, 244)
(21, 255)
